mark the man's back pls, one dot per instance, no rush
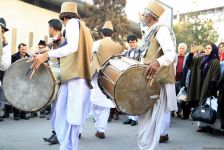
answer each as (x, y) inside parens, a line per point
(107, 49)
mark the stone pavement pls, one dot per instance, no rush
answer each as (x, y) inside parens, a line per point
(28, 134)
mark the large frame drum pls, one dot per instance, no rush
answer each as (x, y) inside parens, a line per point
(29, 94)
(123, 81)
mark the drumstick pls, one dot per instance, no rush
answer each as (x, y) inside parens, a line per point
(150, 81)
(32, 74)
(28, 71)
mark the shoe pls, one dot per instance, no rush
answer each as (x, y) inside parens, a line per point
(7, 110)
(1, 119)
(179, 115)
(5, 115)
(164, 139)
(52, 135)
(127, 121)
(54, 140)
(210, 129)
(116, 114)
(202, 129)
(80, 135)
(42, 114)
(48, 117)
(109, 119)
(134, 123)
(100, 135)
(16, 117)
(24, 116)
(33, 114)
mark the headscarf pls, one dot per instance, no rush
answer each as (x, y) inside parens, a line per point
(208, 59)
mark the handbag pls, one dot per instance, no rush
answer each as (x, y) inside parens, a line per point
(204, 113)
(182, 95)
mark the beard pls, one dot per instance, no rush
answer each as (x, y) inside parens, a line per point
(145, 22)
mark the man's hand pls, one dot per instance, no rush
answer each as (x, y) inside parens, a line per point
(38, 59)
(153, 66)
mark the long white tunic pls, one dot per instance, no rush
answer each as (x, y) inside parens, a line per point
(5, 63)
(5, 58)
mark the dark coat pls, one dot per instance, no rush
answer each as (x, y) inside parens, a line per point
(221, 101)
(199, 90)
(16, 57)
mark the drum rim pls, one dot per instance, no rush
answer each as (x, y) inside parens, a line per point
(49, 71)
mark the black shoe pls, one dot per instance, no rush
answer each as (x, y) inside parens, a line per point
(52, 135)
(5, 115)
(109, 119)
(42, 114)
(16, 113)
(80, 135)
(7, 109)
(127, 121)
(1, 119)
(16, 116)
(134, 123)
(33, 114)
(54, 140)
(24, 116)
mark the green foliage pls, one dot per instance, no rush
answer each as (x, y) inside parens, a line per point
(103, 10)
(195, 31)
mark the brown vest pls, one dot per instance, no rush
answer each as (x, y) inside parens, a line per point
(107, 49)
(165, 74)
(77, 64)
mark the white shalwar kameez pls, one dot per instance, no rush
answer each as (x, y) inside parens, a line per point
(5, 63)
(101, 104)
(73, 103)
(155, 122)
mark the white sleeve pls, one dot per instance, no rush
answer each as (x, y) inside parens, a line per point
(6, 58)
(72, 34)
(168, 46)
(96, 46)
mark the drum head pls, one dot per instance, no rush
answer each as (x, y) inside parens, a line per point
(133, 95)
(26, 94)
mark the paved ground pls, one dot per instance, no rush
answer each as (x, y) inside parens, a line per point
(27, 135)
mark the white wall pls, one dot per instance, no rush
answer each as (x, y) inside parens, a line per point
(26, 18)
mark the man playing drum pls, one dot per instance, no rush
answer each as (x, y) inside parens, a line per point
(5, 58)
(102, 50)
(73, 102)
(159, 54)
